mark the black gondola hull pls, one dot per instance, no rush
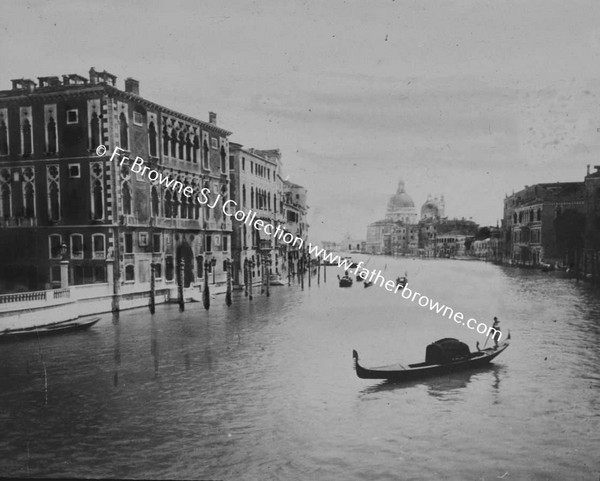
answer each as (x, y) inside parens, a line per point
(477, 359)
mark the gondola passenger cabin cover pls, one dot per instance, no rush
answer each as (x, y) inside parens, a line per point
(446, 350)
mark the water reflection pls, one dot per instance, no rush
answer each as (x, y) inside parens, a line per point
(154, 344)
(117, 350)
(439, 386)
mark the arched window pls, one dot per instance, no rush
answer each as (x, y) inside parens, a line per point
(129, 273)
(223, 161)
(26, 137)
(54, 202)
(520, 217)
(126, 198)
(6, 201)
(152, 139)
(29, 200)
(51, 127)
(205, 152)
(196, 147)
(181, 145)
(184, 207)
(123, 131)
(176, 204)
(155, 202)
(173, 143)
(188, 149)
(95, 128)
(3, 138)
(98, 204)
(165, 135)
(167, 210)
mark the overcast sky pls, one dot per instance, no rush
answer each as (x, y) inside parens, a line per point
(470, 99)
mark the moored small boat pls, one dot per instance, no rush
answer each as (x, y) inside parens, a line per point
(345, 281)
(368, 284)
(47, 330)
(442, 357)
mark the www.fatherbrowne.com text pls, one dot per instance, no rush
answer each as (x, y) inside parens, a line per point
(249, 218)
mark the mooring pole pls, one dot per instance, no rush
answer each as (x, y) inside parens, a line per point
(180, 286)
(152, 288)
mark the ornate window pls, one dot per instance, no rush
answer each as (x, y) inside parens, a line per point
(165, 139)
(195, 149)
(53, 185)
(182, 145)
(97, 193)
(223, 160)
(205, 154)
(26, 137)
(94, 131)
(152, 140)
(167, 209)
(124, 131)
(155, 202)
(173, 143)
(126, 195)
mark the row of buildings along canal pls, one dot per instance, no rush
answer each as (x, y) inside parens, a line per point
(74, 225)
(545, 225)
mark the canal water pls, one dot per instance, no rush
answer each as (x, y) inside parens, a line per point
(266, 389)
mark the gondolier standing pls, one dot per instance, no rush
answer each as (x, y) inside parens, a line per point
(498, 333)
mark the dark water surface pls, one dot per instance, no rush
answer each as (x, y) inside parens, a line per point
(266, 390)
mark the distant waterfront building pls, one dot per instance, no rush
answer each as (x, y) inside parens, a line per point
(401, 233)
(433, 208)
(254, 187)
(530, 219)
(69, 217)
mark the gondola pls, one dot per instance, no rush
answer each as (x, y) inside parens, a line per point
(402, 281)
(345, 281)
(48, 330)
(442, 357)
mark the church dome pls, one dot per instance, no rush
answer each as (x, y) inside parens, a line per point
(401, 200)
(430, 209)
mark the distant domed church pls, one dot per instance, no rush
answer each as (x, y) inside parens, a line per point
(433, 208)
(401, 207)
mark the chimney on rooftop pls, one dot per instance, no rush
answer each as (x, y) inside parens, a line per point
(588, 169)
(212, 118)
(132, 86)
(23, 84)
(93, 76)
